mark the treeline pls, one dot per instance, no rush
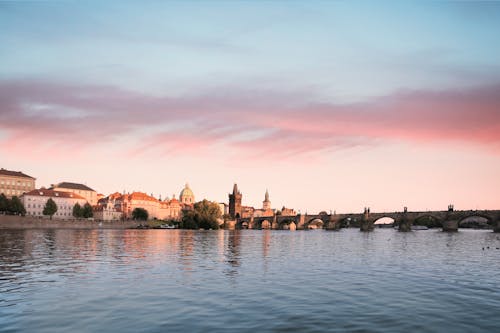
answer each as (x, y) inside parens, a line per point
(12, 206)
(204, 215)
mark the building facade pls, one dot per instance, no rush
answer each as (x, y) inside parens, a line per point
(83, 190)
(168, 209)
(187, 196)
(15, 183)
(106, 211)
(235, 203)
(34, 201)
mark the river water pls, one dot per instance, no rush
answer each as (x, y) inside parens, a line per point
(249, 281)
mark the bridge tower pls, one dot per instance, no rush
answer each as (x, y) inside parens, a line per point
(266, 204)
(235, 202)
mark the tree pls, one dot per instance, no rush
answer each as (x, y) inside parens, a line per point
(16, 206)
(140, 214)
(50, 208)
(205, 214)
(4, 203)
(87, 211)
(77, 211)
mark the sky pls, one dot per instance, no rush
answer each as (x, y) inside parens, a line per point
(329, 105)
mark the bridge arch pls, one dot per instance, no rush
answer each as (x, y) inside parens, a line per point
(384, 221)
(285, 224)
(428, 220)
(265, 224)
(475, 220)
(315, 223)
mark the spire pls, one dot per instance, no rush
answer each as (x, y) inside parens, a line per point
(235, 188)
(187, 185)
(267, 196)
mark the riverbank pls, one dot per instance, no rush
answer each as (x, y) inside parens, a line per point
(25, 222)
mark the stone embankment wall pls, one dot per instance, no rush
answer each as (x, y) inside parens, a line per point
(20, 222)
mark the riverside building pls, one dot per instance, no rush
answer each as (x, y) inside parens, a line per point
(34, 202)
(15, 183)
(83, 190)
(124, 204)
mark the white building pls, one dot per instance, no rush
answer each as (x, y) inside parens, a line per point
(83, 190)
(34, 202)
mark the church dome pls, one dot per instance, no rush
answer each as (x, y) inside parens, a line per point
(187, 195)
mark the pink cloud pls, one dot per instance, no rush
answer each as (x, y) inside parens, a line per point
(47, 115)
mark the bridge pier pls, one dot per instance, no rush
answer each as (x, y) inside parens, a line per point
(274, 224)
(366, 224)
(230, 225)
(450, 225)
(496, 224)
(405, 223)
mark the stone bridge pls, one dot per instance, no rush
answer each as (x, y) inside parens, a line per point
(448, 220)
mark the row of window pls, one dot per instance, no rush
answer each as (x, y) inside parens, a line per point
(13, 182)
(39, 213)
(11, 192)
(14, 187)
(58, 207)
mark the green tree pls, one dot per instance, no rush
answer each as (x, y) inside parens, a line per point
(50, 208)
(140, 214)
(87, 211)
(16, 206)
(205, 214)
(4, 203)
(77, 211)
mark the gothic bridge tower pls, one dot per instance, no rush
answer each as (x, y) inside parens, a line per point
(235, 203)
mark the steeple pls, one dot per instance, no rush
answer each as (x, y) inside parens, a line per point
(266, 204)
(235, 189)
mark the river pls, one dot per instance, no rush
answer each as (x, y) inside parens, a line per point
(249, 281)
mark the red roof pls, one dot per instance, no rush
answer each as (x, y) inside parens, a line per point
(51, 193)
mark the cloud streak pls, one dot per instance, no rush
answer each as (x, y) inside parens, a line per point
(39, 115)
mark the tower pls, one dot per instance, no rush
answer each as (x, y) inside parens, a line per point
(187, 196)
(266, 204)
(235, 203)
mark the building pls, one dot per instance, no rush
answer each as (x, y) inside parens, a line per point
(235, 203)
(89, 194)
(168, 209)
(34, 201)
(224, 208)
(15, 183)
(266, 204)
(266, 208)
(187, 196)
(106, 211)
(288, 211)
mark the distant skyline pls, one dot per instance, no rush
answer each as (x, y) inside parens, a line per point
(328, 105)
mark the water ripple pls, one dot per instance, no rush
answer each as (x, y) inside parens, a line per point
(248, 281)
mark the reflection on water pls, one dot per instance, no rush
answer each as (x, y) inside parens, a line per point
(247, 281)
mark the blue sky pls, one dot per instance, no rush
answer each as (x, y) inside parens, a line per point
(338, 50)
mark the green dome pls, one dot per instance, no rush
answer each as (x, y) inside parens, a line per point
(185, 194)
